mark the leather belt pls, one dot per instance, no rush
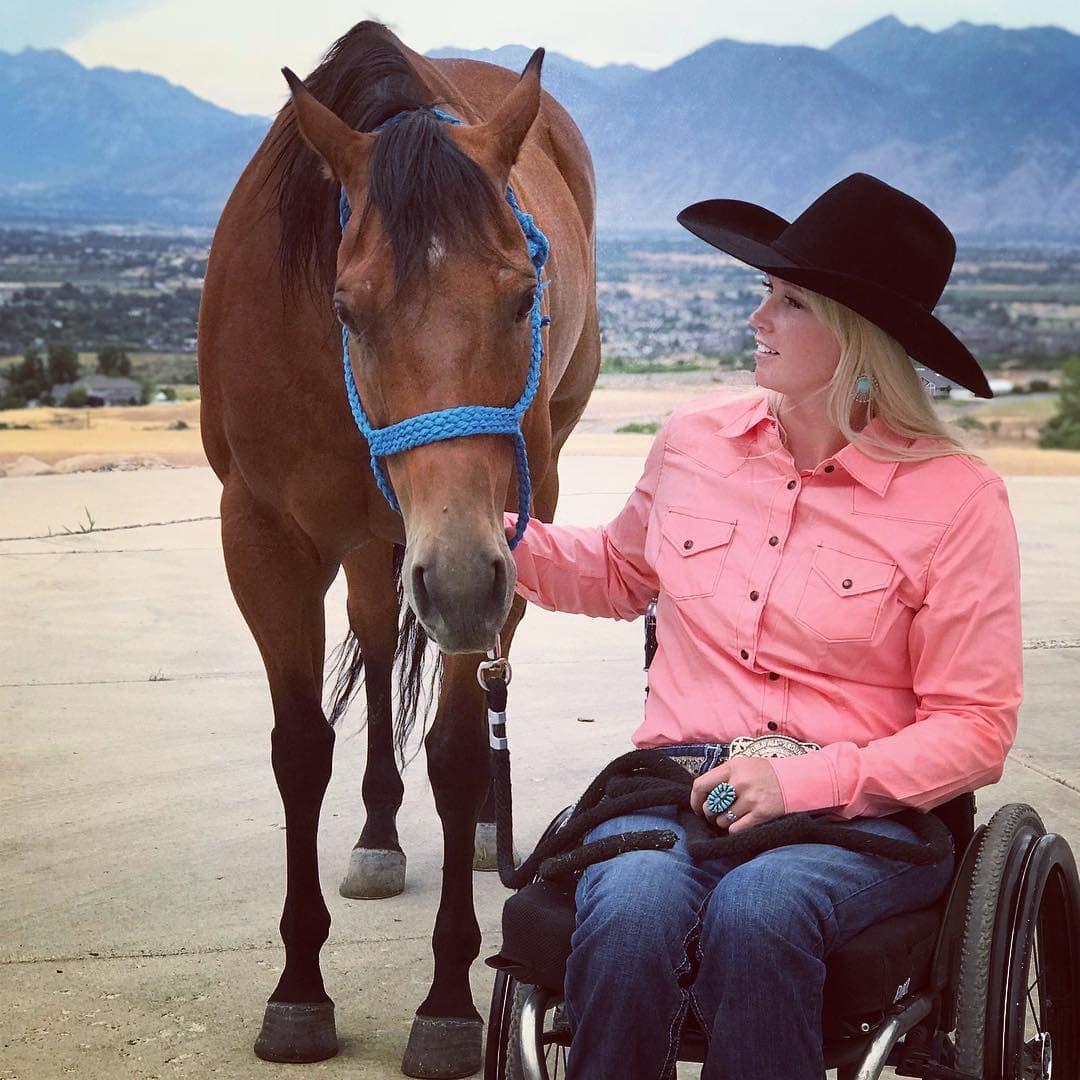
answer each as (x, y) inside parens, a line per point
(698, 758)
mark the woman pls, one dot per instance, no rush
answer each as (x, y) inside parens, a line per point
(831, 567)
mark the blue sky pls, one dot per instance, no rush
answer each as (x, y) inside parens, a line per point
(54, 22)
(230, 51)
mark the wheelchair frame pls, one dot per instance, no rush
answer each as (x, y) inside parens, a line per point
(1015, 892)
(1014, 886)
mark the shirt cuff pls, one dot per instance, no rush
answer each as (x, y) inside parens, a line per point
(807, 782)
(525, 568)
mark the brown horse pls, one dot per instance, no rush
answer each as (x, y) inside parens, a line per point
(433, 280)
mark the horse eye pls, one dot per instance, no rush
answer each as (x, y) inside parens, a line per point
(340, 310)
(526, 305)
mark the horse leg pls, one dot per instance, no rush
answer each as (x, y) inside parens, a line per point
(279, 584)
(377, 863)
(446, 1035)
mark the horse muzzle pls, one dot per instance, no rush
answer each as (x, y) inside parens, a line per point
(461, 596)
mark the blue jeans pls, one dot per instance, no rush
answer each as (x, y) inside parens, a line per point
(742, 942)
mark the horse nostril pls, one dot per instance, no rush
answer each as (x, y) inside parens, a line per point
(498, 582)
(419, 590)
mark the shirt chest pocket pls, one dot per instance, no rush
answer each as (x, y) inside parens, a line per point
(692, 553)
(844, 595)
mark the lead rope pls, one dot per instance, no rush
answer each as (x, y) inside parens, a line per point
(494, 676)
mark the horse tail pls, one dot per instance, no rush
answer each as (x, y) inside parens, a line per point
(346, 674)
(417, 680)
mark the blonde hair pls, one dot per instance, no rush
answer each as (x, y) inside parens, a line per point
(898, 396)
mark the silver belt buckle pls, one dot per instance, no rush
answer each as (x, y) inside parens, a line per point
(777, 746)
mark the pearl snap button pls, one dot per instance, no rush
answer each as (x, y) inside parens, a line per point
(846, 583)
(688, 544)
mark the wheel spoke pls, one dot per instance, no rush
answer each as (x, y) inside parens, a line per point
(1034, 1012)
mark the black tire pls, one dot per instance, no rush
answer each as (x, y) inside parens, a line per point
(552, 1039)
(498, 1027)
(987, 935)
(514, 1067)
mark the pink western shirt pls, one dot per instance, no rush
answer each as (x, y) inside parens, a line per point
(870, 607)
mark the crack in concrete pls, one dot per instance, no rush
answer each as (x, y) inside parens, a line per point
(215, 950)
(1044, 773)
(191, 677)
(108, 528)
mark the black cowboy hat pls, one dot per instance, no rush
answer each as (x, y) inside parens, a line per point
(871, 247)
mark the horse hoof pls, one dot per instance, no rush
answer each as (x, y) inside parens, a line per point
(373, 874)
(484, 850)
(297, 1033)
(443, 1046)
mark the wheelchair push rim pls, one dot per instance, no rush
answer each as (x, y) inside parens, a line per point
(1040, 1008)
(527, 1038)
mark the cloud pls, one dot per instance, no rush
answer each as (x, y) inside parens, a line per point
(229, 51)
(45, 23)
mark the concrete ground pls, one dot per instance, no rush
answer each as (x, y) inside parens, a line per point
(140, 826)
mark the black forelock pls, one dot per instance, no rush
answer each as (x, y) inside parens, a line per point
(423, 188)
(420, 183)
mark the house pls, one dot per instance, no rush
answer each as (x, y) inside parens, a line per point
(101, 390)
(938, 386)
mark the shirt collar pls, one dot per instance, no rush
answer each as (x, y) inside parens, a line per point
(871, 473)
(754, 411)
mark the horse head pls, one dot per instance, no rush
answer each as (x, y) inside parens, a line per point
(436, 289)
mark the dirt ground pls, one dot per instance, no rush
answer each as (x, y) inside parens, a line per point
(38, 441)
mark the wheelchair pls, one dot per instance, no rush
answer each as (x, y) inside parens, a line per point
(984, 985)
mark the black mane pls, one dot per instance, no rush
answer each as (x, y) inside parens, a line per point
(420, 184)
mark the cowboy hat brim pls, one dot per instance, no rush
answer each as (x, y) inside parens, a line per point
(747, 232)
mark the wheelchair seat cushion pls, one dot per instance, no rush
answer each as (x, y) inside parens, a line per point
(537, 924)
(865, 976)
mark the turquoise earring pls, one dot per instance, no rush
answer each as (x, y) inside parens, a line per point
(864, 389)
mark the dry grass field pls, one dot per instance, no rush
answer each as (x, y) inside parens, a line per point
(67, 440)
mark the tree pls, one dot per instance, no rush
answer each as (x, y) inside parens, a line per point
(62, 365)
(1062, 431)
(27, 380)
(113, 360)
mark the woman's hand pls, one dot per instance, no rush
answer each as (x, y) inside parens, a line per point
(757, 793)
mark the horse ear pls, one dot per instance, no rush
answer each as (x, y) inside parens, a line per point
(344, 150)
(504, 133)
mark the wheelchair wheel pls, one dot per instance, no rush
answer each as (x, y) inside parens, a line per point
(1019, 975)
(527, 1036)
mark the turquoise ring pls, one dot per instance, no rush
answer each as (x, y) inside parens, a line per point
(720, 798)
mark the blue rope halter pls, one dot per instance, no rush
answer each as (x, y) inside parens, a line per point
(461, 420)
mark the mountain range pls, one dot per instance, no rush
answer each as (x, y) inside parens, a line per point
(978, 121)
